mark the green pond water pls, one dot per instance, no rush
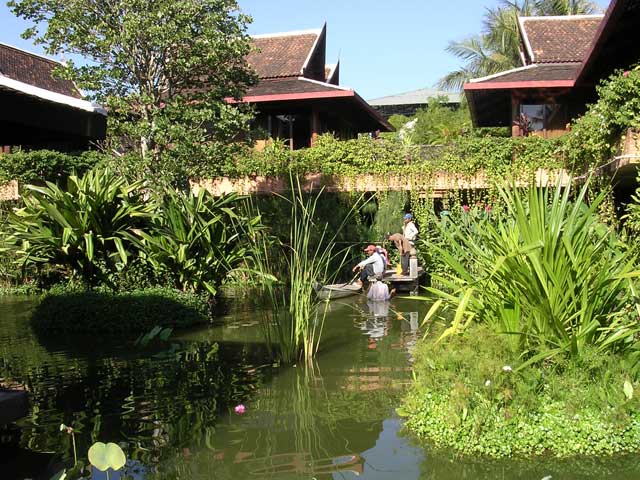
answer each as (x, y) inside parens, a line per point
(172, 406)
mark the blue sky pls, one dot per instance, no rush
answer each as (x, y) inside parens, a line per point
(385, 46)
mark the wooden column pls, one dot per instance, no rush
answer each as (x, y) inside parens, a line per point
(515, 116)
(315, 127)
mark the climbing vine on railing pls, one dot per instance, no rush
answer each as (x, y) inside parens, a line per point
(364, 156)
(597, 136)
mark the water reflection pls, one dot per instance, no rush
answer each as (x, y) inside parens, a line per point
(172, 408)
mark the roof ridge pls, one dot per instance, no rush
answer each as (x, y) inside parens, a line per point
(561, 17)
(292, 33)
(33, 54)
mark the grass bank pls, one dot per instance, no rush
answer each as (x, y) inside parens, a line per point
(471, 396)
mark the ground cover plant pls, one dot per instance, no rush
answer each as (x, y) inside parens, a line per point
(472, 396)
(541, 296)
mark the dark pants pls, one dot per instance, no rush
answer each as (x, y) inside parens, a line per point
(404, 262)
(367, 272)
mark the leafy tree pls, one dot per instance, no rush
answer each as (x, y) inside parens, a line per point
(497, 48)
(436, 124)
(163, 69)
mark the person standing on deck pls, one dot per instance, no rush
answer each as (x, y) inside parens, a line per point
(372, 266)
(404, 247)
(409, 229)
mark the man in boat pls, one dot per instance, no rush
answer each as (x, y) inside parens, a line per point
(404, 247)
(370, 267)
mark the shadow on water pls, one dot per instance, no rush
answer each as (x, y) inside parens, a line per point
(173, 408)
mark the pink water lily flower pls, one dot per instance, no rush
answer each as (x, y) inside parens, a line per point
(240, 409)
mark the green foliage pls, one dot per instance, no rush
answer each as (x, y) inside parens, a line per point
(105, 457)
(364, 156)
(195, 240)
(293, 326)
(546, 272)
(163, 82)
(596, 136)
(45, 165)
(105, 313)
(473, 394)
(439, 124)
(80, 230)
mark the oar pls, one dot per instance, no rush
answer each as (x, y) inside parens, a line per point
(350, 281)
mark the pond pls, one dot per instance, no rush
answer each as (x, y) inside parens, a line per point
(172, 406)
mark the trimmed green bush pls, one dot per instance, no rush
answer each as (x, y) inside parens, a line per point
(62, 311)
(471, 395)
(46, 165)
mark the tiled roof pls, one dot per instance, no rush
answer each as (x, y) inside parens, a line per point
(284, 86)
(416, 97)
(559, 39)
(532, 73)
(34, 70)
(282, 55)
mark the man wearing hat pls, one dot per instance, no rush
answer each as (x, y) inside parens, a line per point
(371, 266)
(409, 230)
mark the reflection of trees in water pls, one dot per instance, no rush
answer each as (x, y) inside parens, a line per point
(161, 403)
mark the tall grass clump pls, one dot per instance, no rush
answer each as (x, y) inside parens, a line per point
(546, 272)
(290, 272)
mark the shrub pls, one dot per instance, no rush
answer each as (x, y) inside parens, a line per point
(195, 240)
(45, 165)
(102, 312)
(79, 230)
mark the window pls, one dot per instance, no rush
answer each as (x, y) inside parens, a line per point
(548, 116)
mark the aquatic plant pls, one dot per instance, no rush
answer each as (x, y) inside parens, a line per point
(466, 399)
(310, 258)
(547, 273)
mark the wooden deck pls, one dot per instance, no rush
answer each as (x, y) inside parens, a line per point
(404, 283)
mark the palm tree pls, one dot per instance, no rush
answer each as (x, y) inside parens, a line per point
(477, 57)
(498, 47)
(565, 7)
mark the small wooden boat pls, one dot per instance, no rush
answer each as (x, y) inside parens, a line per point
(331, 292)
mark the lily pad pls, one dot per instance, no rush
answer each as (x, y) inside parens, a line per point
(106, 456)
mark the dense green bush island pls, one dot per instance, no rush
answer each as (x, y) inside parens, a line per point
(473, 395)
(64, 310)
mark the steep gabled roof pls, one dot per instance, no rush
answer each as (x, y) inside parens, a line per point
(615, 44)
(556, 39)
(284, 54)
(35, 70)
